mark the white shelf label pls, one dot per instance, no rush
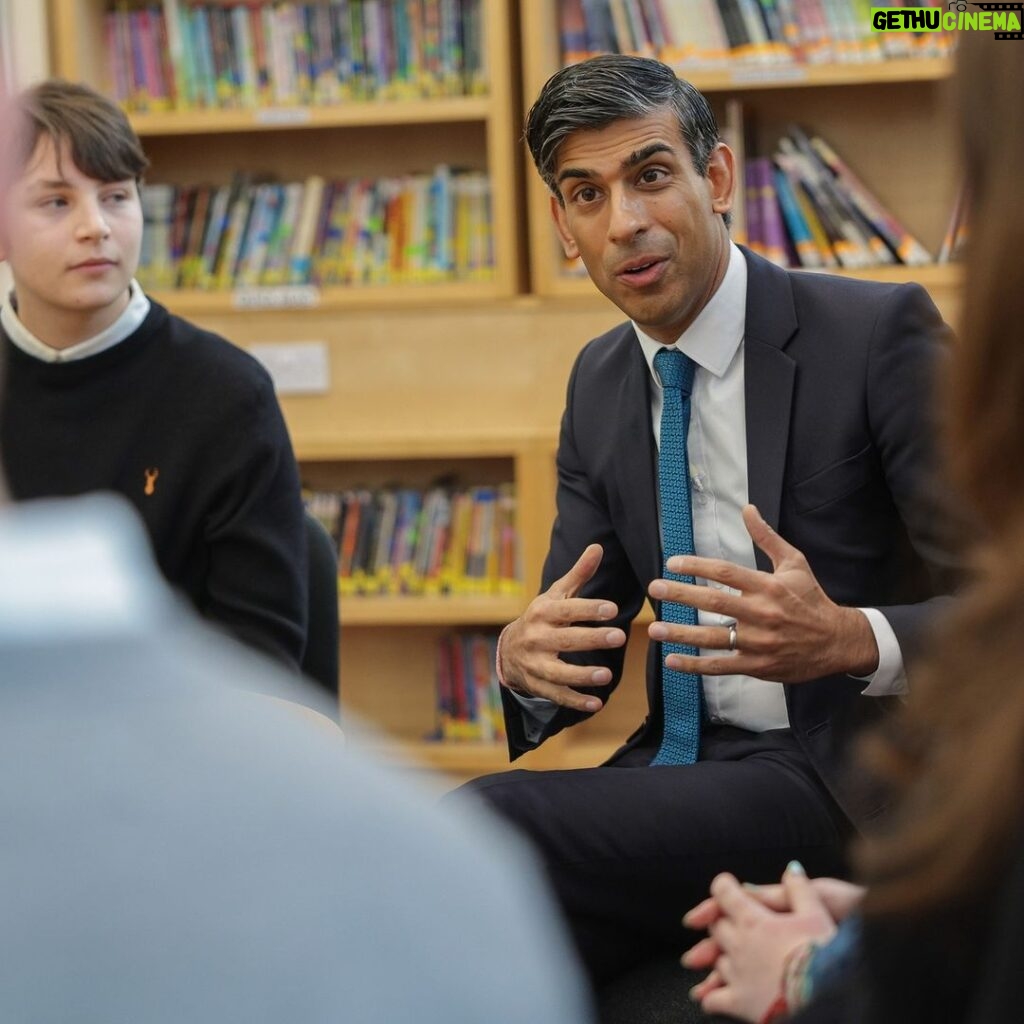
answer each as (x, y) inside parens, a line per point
(285, 296)
(296, 367)
(283, 115)
(766, 73)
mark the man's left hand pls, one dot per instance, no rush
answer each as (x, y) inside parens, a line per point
(787, 628)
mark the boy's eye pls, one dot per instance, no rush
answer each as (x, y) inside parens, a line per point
(53, 202)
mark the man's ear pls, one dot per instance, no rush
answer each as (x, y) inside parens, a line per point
(721, 177)
(569, 246)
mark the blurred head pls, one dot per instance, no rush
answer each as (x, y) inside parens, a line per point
(72, 217)
(641, 186)
(958, 758)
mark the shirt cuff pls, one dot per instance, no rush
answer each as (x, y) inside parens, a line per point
(537, 714)
(537, 711)
(890, 678)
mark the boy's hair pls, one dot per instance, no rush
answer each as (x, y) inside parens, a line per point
(101, 142)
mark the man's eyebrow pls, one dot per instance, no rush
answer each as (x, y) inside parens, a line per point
(636, 157)
(640, 155)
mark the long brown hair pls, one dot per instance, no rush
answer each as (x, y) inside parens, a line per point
(956, 758)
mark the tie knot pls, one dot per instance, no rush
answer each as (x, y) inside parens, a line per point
(675, 369)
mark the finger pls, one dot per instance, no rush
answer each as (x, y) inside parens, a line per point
(738, 577)
(734, 901)
(586, 565)
(840, 898)
(707, 599)
(721, 999)
(566, 611)
(703, 988)
(778, 550)
(732, 664)
(586, 638)
(565, 696)
(700, 916)
(772, 897)
(708, 638)
(553, 671)
(701, 955)
(799, 890)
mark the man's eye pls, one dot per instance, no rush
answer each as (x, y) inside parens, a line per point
(649, 175)
(587, 194)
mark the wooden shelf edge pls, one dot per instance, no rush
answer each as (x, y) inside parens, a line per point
(797, 76)
(354, 114)
(930, 275)
(425, 445)
(429, 611)
(192, 302)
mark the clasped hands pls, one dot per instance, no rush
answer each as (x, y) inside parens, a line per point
(754, 933)
(787, 628)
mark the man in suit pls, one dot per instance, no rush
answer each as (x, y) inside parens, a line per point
(819, 548)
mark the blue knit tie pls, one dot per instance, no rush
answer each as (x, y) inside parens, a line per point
(681, 691)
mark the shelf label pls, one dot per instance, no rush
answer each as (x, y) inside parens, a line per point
(762, 73)
(296, 367)
(283, 115)
(285, 296)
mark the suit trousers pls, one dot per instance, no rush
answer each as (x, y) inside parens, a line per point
(629, 848)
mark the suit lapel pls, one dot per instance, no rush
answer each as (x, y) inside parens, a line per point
(769, 377)
(634, 470)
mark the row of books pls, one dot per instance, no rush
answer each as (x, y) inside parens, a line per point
(713, 33)
(806, 208)
(467, 688)
(417, 228)
(444, 540)
(174, 55)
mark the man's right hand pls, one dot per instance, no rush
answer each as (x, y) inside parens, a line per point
(530, 646)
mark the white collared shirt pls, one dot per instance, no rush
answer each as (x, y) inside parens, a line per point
(124, 326)
(717, 448)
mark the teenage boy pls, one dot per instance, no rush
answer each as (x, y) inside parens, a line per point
(106, 390)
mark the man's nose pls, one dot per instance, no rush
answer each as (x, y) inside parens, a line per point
(629, 216)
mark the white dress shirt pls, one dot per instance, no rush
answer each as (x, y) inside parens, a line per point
(126, 324)
(717, 448)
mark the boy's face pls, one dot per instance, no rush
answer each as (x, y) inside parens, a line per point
(73, 246)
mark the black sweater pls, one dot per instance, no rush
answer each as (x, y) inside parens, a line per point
(188, 428)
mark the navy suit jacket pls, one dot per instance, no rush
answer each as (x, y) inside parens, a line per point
(840, 461)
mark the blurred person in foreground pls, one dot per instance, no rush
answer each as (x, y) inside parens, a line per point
(937, 932)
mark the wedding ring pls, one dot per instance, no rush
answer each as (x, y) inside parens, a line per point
(732, 637)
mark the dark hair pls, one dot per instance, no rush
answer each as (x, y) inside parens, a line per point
(615, 87)
(957, 761)
(101, 142)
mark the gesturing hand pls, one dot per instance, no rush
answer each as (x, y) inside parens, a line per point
(787, 628)
(530, 646)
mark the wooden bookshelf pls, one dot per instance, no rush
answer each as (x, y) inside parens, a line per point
(369, 139)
